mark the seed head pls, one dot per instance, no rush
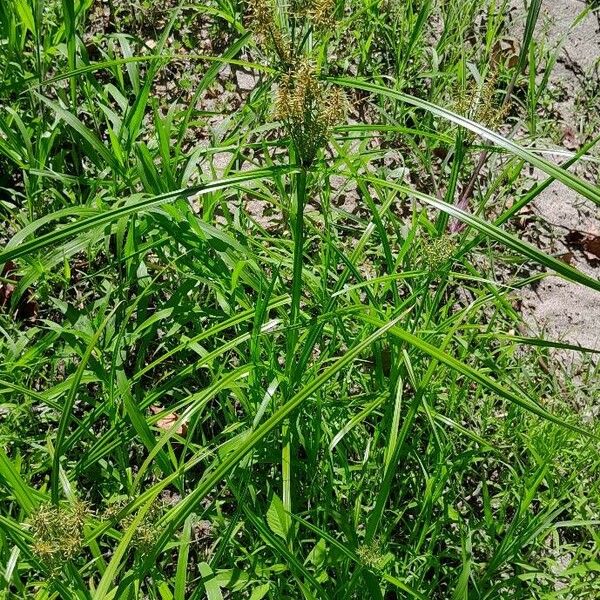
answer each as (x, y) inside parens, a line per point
(58, 533)
(299, 8)
(319, 13)
(335, 106)
(322, 13)
(266, 29)
(478, 103)
(436, 251)
(308, 109)
(147, 531)
(371, 554)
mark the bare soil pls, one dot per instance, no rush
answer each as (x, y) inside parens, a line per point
(569, 225)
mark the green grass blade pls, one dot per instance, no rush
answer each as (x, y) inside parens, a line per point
(67, 409)
(134, 207)
(580, 186)
(475, 375)
(178, 515)
(523, 248)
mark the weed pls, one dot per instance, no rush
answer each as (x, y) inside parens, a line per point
(347, 405)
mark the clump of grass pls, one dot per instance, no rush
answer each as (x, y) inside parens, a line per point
(343, 406)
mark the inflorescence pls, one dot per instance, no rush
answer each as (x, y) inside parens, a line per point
(305, 105)
(308, 109)
(57, 533)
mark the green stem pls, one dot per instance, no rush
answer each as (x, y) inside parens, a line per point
(292, 336)
(298, 235)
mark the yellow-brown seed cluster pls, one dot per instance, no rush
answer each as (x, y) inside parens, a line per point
(322, 13)
(57, 533)
(263, 22)
(479, 104)
(269, 35)
(308, 109)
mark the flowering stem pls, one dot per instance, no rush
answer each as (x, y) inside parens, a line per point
(292, 335)
(298, 234)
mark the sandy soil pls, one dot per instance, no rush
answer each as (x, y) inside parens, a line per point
(570, 225)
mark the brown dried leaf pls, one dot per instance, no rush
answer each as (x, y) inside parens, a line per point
(506, 51)
(567, 257)
(592, 245)
(570, 140)
(168, 420)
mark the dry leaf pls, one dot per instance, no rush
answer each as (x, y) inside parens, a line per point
(592, 245)
(570, 141)
(567, 257)
(506, 51)
(168, 420)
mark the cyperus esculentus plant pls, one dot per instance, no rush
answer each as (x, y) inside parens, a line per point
(308, 110)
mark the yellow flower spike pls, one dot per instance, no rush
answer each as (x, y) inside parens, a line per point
(308, 109)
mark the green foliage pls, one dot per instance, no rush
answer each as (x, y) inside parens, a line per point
(257, 326)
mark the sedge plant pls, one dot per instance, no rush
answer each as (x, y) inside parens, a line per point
(263, 341)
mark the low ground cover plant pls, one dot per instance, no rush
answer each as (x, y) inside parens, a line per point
(259, 306)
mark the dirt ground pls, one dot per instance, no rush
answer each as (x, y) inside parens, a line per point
(569, 224)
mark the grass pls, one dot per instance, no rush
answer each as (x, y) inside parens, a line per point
(262, 341)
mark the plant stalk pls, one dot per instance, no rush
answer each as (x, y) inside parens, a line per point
(292, 337)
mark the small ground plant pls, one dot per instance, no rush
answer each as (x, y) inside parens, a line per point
(259, 318)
